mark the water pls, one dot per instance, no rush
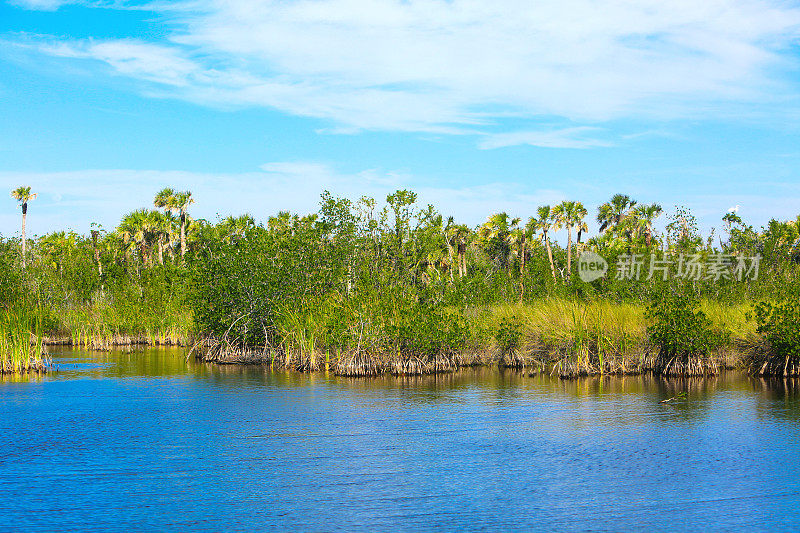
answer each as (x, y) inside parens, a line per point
(148, 440)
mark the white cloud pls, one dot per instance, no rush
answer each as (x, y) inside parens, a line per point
(457, 66)
(562, 138)
(73, 200)
(40, 5)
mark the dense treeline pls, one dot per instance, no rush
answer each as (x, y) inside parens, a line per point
(366, 288)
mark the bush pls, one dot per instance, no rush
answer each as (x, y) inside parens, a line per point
(680, 329)
(780, 325)
(508, 334)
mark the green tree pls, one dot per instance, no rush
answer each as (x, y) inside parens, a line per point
(615, 215)
(495, 236)
(171, 200)
(459, 235)
(23, 195)
(544, 223)
(570, 215)
(645, 215)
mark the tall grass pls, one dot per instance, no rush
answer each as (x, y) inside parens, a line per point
(566, 337)
(104, 323)
(21, 342)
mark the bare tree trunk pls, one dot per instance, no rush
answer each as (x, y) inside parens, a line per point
(462, 259)
(550, 255)
(24, 239)
(522, 268)
(569, 252)
(95, 236)
(160, 250)
(183, 233)
(450, 255)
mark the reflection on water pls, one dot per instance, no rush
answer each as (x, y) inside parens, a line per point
(150, 439)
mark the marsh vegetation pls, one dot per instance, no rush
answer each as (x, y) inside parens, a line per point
(360, 288)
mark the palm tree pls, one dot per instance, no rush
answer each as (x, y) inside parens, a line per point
(579, 221)
(495, 234)
(449, 239)
(165, 199)
(184, 200)
(171, 200)
(161, 225)
(570, 215)
(544, 222)
(459, 235)
(235, 227)
(562, 214)
(611, 214)
(519, 239)
(23, 196)
(139, 228)
(645, 216)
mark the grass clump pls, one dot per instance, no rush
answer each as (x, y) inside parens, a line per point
(21, 345)
(779, 323)
(684, 335)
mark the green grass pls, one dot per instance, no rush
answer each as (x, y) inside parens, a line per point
(566, 337)
(21, 346)
(103, 324)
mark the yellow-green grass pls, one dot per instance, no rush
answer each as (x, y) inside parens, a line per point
(101, 325)
(21, 347)
(562, 336)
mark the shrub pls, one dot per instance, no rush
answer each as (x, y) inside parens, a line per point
(779, 323)
(680, 329)
(508, 334)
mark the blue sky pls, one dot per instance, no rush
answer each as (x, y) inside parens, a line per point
(480, 106)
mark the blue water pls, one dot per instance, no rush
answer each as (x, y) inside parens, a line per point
(148, 440)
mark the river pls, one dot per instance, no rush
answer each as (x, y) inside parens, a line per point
(146, 439)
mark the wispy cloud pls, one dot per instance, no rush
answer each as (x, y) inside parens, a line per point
(73, 199)
(563, 138)
(40, 5)
(457, 66)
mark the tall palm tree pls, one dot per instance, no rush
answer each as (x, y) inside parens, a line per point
(449, 239)
(562, 213)
(139, 229)
(171, 200)
(495, 235)
(645, 216)
(23, 196)
(160, 224)
(165, 199)
(459, 235)
(570, 215)
(579, 221)
(544, 222)
(184, 200)
(519, 240)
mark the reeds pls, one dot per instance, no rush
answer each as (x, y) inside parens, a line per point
(563, 337)
(101, 325)
(21, 345)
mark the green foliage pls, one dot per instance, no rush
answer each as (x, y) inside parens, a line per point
(10, 275)
(679, 328)
(509, 334)
(21, 338)
(779, 323)
(359, 276)
(682, 230)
